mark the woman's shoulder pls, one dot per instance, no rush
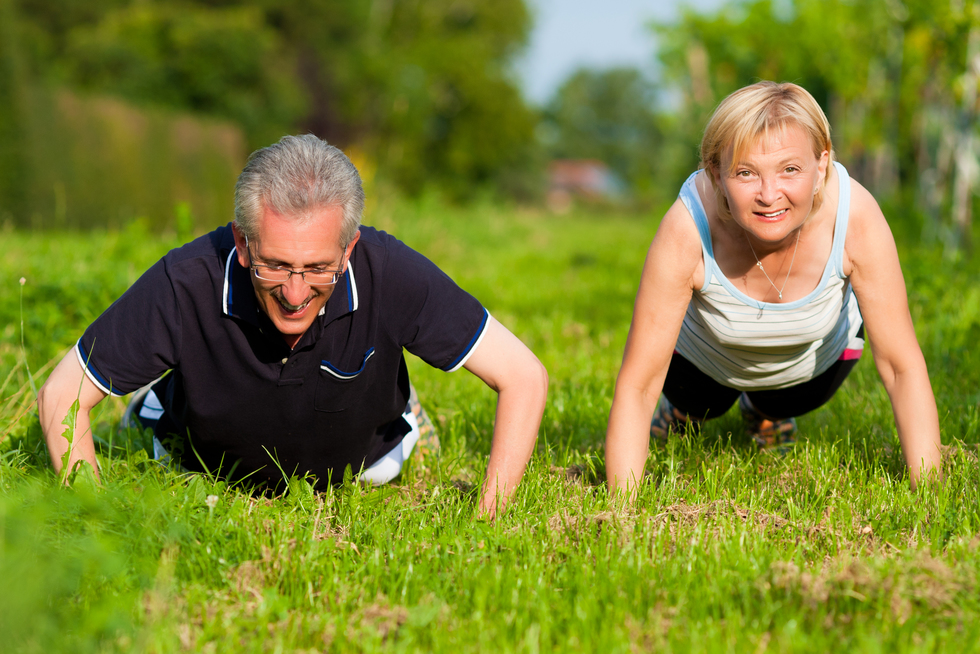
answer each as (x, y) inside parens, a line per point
(864, 212)
(680, 226)
(866, 225)
(678, 242)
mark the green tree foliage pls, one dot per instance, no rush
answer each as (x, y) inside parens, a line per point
(608, 115)
(897, 79)
(425, 89)
(225, 62)
(13, 174)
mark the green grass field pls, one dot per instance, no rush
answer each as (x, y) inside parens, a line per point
(726, 549)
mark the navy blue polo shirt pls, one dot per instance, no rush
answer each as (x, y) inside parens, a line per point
(239, 397)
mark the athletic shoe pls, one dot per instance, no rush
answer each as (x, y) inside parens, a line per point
(129, 419)
(428, 444)
(776, 435)
(666, 417)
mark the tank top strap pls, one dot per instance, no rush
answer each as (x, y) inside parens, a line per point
(840, 224)
(689, 196)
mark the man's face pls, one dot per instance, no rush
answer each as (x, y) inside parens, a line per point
(293, 305)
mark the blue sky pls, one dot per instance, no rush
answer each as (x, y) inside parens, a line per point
(569, 34)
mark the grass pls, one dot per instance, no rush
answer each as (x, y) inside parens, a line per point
(726, 549)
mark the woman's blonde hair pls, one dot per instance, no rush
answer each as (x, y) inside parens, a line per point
(755, 112)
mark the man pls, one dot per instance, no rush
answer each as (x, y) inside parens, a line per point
(283, 335)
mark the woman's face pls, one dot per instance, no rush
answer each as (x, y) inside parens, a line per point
(771, 188)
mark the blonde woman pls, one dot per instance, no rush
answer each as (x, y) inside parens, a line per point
(759, 287)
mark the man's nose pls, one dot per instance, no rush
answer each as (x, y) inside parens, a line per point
(295, 290)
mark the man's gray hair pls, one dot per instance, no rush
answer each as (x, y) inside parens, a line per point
(295, 176)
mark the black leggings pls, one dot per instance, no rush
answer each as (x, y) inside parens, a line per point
(701, 397)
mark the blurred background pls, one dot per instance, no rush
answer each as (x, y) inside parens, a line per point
(114, 111)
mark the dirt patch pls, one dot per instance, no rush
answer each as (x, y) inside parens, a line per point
(650, 635)
(248, 578)
(922, 583)
(570, 524)
(688, 514)
(324, 529)
(968, 451)
(380, 616)
(462, 486)
(572, 474)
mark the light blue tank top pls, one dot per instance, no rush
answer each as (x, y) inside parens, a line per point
(752, 345)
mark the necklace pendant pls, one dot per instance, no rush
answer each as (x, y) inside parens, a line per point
(780, 295)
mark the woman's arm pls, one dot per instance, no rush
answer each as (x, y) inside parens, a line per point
(672, 270)
(871, 260)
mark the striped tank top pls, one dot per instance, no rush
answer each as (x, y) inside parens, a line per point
(751, 345)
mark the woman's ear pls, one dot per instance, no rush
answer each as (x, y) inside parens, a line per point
(714, 175)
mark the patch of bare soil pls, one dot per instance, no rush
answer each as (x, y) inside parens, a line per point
(650, 635)
(573, 474)
(690, 514)
(571, 527)
(968, 451)
(248, 578)
(923, 583)
(251, 577)
(380, 616)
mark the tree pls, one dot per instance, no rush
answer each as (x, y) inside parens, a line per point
(607, 115)
(14, 181)
(897, 80)
(425, 88)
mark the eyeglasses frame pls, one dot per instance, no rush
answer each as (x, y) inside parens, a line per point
(337, 274)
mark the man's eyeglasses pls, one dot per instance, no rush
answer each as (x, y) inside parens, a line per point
(280, 275)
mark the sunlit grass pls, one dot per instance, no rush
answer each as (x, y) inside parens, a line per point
(726, 548)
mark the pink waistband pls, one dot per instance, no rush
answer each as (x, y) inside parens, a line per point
(846, 355)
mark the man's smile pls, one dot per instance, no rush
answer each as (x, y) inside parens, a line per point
(289, 308)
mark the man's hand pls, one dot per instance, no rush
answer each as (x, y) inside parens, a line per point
(68, 383)
(507, 366)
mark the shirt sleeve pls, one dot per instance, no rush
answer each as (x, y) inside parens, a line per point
(427, 313)
(137, 338)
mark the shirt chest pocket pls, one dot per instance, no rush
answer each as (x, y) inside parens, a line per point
(337, 388)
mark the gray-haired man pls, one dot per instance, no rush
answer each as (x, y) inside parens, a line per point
(279, 341)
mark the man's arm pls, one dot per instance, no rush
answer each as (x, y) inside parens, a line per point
(67, 383)
(507, 366)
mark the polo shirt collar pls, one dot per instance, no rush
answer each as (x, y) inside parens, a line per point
(344, 299)
(238, 294)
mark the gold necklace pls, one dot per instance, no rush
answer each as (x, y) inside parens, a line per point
(759, 263)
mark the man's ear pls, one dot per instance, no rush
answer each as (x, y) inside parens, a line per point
(241, 247)
(350, 247)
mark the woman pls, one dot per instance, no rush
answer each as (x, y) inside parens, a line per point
(759, 286)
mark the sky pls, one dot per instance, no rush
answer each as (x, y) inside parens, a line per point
(569, 34)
